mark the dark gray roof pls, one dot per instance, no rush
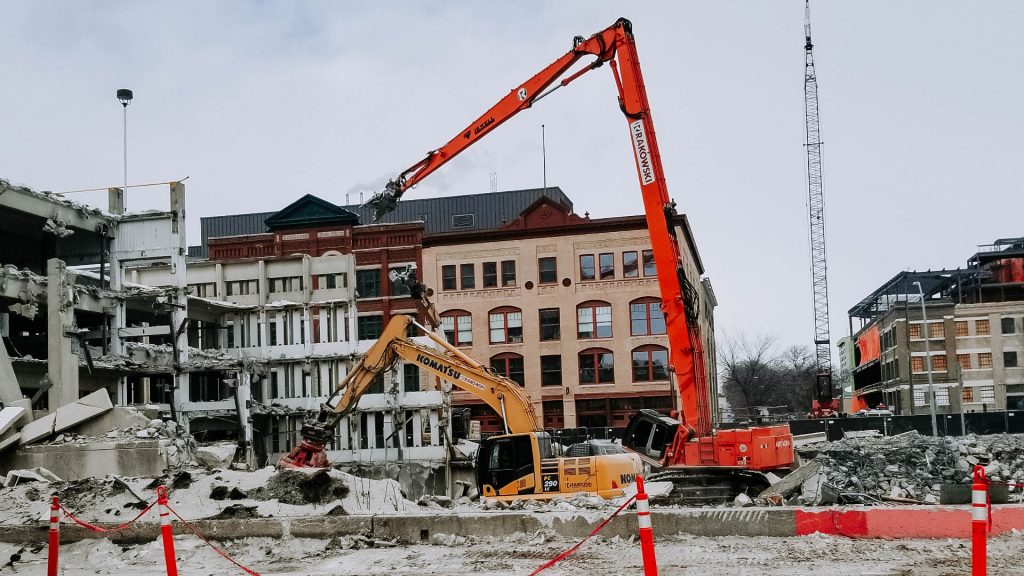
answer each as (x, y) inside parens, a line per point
(447, 214)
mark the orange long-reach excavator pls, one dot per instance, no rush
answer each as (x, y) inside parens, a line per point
(705, 464)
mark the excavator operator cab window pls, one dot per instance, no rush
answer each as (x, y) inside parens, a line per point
(507, 460)
(648, 433)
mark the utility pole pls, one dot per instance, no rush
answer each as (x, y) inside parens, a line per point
(824, 404)
(124, 96)
(928, 360)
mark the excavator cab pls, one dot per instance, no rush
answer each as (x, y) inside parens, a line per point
(506, 464)
(649, 433)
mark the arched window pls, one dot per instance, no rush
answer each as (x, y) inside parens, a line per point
(650, 364)
(458, 327)
(594, 320)
(597, 366)
(645, 317)
(506, 325)
(510, 366)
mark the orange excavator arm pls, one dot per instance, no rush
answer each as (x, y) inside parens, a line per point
(680, 301)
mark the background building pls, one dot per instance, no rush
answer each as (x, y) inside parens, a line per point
(569, 307)
(974, 336)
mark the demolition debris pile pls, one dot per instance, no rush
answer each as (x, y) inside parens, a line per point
(908, 468)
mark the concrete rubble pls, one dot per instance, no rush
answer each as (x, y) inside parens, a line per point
(909, 468)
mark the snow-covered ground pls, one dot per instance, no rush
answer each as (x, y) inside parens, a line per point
(677, 555)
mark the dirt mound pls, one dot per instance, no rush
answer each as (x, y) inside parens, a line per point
(302, 487)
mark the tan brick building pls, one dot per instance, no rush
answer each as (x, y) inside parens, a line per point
(569, 307)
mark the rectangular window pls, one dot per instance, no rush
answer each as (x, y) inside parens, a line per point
(548, 270)
(607, 262)
(332, 281)
(594, 322)
(448, 277)
(988, 393)
(550, 324)
(587, 270)
(985, 360)
(915, 331)
(981, 328)
(967, 394)
(960, 328)
(506, 327)
(942, 396)
(411, 378)
(649, 268)
(490, 274)
(936, 330)
(508, 272)
(368, 283)
(551, 370)
(467, 273)
(597, 368)
(939, 363)
(1007, 325)
(630, 266)
(964, 360)
(458, 329)
(1010, 359)
(650, 365)
(369, 327)
(645, 318)
(917, 364)
(919, 396)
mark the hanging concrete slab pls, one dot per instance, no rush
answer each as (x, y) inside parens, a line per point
(67, 416)
(10, 441)
(8, 416)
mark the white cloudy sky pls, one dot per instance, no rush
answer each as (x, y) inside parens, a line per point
(261, 102)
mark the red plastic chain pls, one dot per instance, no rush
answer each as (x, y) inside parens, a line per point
(247, 570)
(100, 529)
(565, 554)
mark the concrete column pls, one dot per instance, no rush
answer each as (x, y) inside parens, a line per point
(221, 284)
(435, 437)
(9, 389)
(243, 393)
(62, 357)
(417, 428)
(371, 430)
(179, 300)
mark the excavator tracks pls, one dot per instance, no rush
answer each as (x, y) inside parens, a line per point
(702, 488)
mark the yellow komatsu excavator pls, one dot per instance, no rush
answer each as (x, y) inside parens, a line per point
(524, 463)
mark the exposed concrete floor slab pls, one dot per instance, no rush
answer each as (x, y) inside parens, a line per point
(67, 416)
(8, 416)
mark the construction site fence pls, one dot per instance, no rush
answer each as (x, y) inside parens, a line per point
(957, 424)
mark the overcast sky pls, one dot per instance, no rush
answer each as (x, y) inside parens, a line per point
(262, 102)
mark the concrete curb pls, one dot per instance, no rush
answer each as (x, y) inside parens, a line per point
(856, 522)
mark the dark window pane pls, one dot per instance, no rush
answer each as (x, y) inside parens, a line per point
(508, 273)
(369, 327)
(411, 378)
(368, 283)
(1007, 325)
(630, 268)
(490, 274)
(551, 370)
(548, 268)
(549, 324)
(468, 274)
(399, 288)
(448, 277)
(1010, 359)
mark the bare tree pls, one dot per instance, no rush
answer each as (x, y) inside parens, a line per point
(755, 374)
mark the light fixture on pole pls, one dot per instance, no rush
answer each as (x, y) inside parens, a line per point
(928, 360)
(124, 96)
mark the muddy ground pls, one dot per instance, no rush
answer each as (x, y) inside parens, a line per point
(677, 555)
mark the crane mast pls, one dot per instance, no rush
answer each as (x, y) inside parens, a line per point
(823, 402)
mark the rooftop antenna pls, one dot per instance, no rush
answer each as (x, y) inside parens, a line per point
(124, 96)
(494, 181)
(544, 157)
(346, 199)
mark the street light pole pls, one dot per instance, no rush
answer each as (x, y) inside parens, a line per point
(124, 96)
(928, 360)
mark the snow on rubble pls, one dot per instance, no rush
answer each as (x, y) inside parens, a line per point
(907, 468)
